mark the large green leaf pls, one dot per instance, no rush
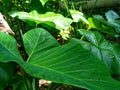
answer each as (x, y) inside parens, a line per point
(50, 18)
(69, 64)
(103, 49)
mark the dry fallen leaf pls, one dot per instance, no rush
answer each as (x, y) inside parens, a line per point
(4, 27)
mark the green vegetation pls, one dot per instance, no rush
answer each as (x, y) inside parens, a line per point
(65, 46)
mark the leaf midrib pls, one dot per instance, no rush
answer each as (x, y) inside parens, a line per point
(77, 79)
(33, 50)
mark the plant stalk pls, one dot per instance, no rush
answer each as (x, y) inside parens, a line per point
(66, 6)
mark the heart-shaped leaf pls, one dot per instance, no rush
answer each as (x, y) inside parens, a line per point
(55, 64)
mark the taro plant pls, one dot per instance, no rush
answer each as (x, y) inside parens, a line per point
(87, 62)
(69, 64)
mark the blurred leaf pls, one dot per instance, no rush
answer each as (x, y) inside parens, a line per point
(6, 71)
(18, 83)
(36, 5)
(6, 3)
(100, 18)
(98, 24)
(57, 20)
(110, 24)
(108, 30)
(111, 15)
(94, 23)
(78, 16)
(115, 24)
(103, 49)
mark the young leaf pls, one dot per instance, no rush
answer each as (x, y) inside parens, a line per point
(58, 21)
(94, 23)
(43, 2)
(78, 16)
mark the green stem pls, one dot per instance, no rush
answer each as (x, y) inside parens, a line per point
(25, 79)
(66, 6)
(33, 84)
